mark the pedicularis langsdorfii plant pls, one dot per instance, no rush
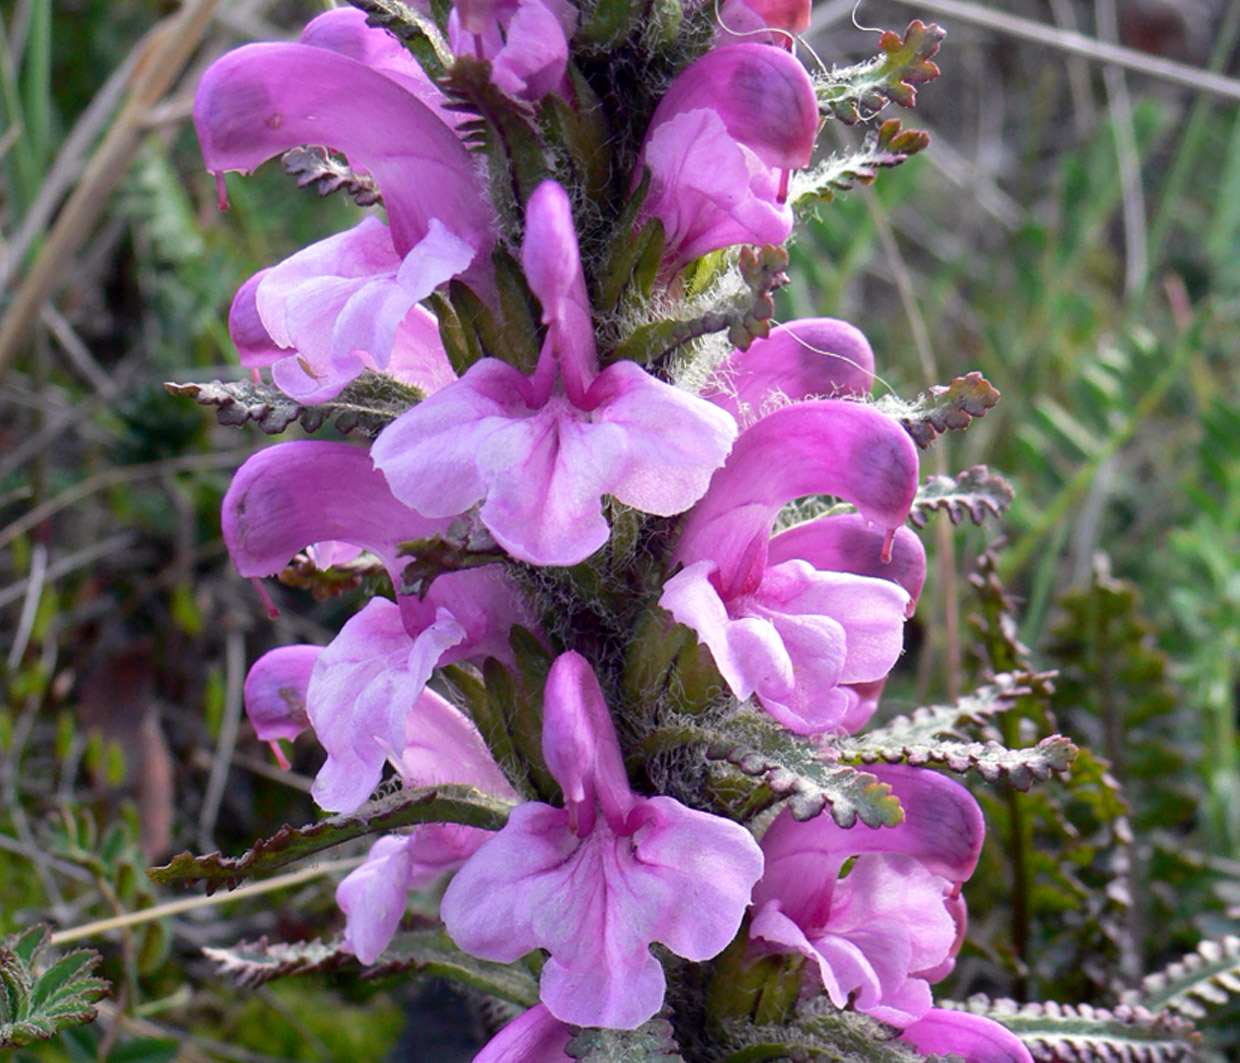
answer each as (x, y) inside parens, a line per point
(639, 560)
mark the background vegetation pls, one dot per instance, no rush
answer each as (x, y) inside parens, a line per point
(1073, 232)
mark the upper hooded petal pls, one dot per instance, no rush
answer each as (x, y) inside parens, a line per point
(535, 1036)
(763, 94)
(819, 357)
(275, 691)
(263, 99)
(293, 494)
(825, 447)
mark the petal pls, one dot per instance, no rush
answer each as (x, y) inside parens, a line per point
(826, 447)
(260, 100)
(534, 59)
(254, 343)
(275, 691)
(535, 1036)
(708, 191)
(293, 494)
(846, 543)
(580, 744)
(974, 1037)
(809, 358)
(553, 268)
(442, 745)
(418, 357)
(673, 441)
(764, 96)
(361, 690)
(373, 898)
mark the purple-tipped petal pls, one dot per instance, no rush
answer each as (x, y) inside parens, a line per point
(846, 543)
(764, 96)
(975, 1038)
(263, 99)
(275, 691)
(826, 447)
(536, 1036)
(808, 358)
(293, 494)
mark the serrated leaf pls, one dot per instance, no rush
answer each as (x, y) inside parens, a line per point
(255, 963)
(932, 735)
(652, 1042)
(415, 30)
(974, 494)
(313, 165)
(433, 804)
(794, 768)
(858, 92)
(1211, 975)
(366, 405)
(745, 316)
(428, 949)
(35, 1007)
(883, 148)
(942, 408)
(1063, 1033)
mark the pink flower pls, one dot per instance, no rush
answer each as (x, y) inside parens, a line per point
(441, 746)
(878, 936)
(538, 452)
(782, 629)
(720, 146)
(349, 302)
(595, 882)
(362, 685)
(526, 42)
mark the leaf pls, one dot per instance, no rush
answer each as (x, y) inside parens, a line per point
(942, 407)
(975, 493)
(315, 165)
(415, 30)
(35, 1007)
(931, 736)
(794, 768)
(1211, 975)
(1063, 1033)
(819, 1031)
(883, 148)
(745, 316)
(427, 949)
(857, 92)
(652, 1042)
(452, 803)
(366, 405)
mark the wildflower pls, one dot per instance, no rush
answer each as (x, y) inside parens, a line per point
(975, 1038)
(595, 882)
(878, 936)
(539, 451)
(791, 634)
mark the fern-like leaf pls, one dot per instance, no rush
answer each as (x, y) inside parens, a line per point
(942, 408)
(933, 736)
(366, 405)
(793, 768)
(858, 92)
(1063, 1033)
(418, 32)
(884, 147)
(974, 494)
(433, 804)
(1211, 975)
(34, 1007)
(315, 166)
